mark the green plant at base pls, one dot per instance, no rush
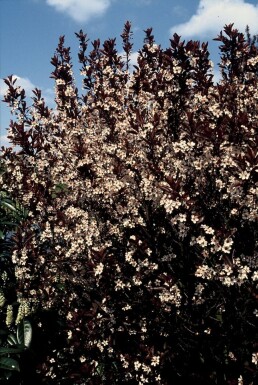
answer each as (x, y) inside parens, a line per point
(13, 347)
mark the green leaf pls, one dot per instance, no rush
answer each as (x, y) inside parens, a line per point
(60, 286)
(9, 223)
(9, 364)
(219, 317)
(24, 333)
(7, 374)
(12, 340)
(9, 206)
(4, 350)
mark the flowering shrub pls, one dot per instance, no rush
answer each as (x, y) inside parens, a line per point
(141, 236)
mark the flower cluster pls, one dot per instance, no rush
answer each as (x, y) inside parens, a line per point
(142, 212)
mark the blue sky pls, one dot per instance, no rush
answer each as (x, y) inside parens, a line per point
(29, 31)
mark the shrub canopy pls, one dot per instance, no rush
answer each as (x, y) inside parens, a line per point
(141, 193)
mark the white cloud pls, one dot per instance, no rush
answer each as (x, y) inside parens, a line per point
(133, 59)
(22, 82)
(3, 87)
(212, 15)
(81, 10)
(217, 75)
(5, 116)
(4, 141)
(48, 94)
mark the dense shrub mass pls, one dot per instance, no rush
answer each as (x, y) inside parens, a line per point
(137, 262)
